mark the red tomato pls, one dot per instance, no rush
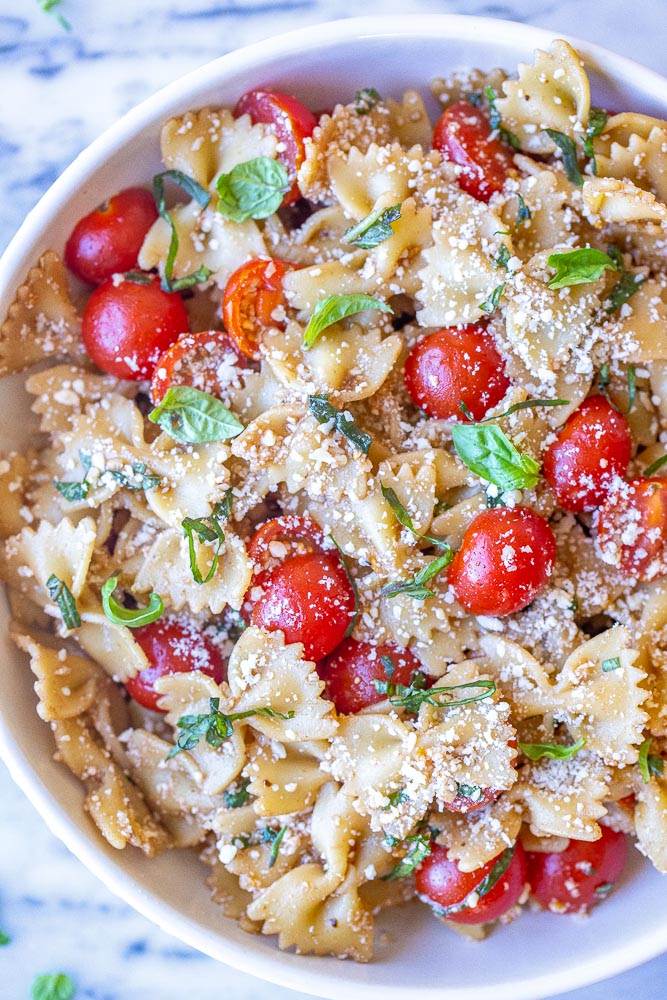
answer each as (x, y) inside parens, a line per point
(172, 647)
(252, 295)
(202, 360)
(463, 136)
(350, 671)
(292, 122)
(466, 804)
(282, 536)
(506, 557)
(442, 884)
(592, 448)
(127, 326)
(632, 528)
(456, 365)
(578, 877)
(108, 240)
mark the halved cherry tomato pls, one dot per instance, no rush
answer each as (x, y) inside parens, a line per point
(441, 883)
(108, 240)
(632, 528)
(578, 877)
(172, 647)
(252, 295)
(350, 671)
(291, 121)
(454, 365)
(281, 536)
(127, 326)
(592, 448)
(463, 136)
(203, 360)
(506, 557)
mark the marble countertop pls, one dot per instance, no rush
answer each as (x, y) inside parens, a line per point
(60, 90)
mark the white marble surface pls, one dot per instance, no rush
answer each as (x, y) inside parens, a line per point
(59, 90)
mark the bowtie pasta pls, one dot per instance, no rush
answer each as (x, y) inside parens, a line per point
(340, 556)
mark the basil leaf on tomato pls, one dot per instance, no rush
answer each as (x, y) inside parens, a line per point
(253, 189)
(193, 416)
(483, 889)
(131, 617)
(578, 267)
(335, 308)
(420, 848)
(491, 455)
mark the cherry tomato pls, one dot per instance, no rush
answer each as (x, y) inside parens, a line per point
(466, 804)
(252, 295)
(592, 448)
(632, 528)
(127, 326)
(350, 671)
(441, 883)
(108, 240)
(282, 536)
(463, 136)
(456, 365)
(578, 877)
(291, 121)
(506, 557)
(201, 360)
(172, 647)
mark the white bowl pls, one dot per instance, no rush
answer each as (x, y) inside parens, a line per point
(536, 956)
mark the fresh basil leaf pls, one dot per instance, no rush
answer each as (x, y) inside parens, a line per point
(654, 466)
(415, 586)
(197, 277)
(215, 726)
(412, 696)
(420, 848)
(374, 229)
(192, 416)
(623, 290)
(139, 481)
(472, 792)
(491, 455)
(239, 796)
(569, 153)
(355, 590)
(60, 593)
(649, 763)
(402, 516)
(612, 663)
(49, 7)
(484, 887)
(632, 387)
(4, 939)
(396, 799)
(502, 258)
(324, 412)
(197, 193)
(132, 618)
(335, 308)
(523, 212)
(603, 386)
(56, 986)
(365, 100)
(207, 529)
(578, 267)
(491, 304)
(275, 847)
(526, 404)
(553, 751)
(597, 119)
(253, 190)
(73, 491)
(496, 122)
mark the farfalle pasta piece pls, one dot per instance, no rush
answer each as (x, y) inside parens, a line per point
(650, 818)
(639, 335)
(360, 179)
(564, 798)
(641, 158)
(474, 840)
(14, 475)
(66, 685)
(112, 646)
(521, 678)
(285, 778)
(552, 222)
(610, 201)
(410, 121)
(64, 391)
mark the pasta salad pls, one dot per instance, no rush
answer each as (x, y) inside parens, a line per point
(341, 554)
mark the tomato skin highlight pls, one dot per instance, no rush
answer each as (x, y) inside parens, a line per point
(455, 365)
(194, 360)
(309, 598)
(592, 448)
(108, 240)
(349, 673)
(172, 647)
(441, 883)
(631, 528)
(463, 136)
(567, 882)
(506, 557)
(252, 294)
(291, 121)
(127, 326)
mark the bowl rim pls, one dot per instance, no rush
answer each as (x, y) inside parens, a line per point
(279, 967)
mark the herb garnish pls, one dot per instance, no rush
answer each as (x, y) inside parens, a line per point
(473, 792)
(623, 290)
(597, 119)
(324, 412)
(569, 153)
(415, 586)
(374, 229)
(496, 122)
(491, 304)
(484, 887)
(334, 308)
(202, 197)
(402, 516)
(138, 481)
(412, 696)
(355, 590)
(603, 386)
(397, 798)
(578, 267)
(131, 617)
(275, 846)
(215, 726)
(207, 529)
(649, 763)
(526, 404)
(253, 189)
(4, 939)
(49, 7)
(502, 258)
(654, 466)
(553, 751)
(62, 595)
(239, 796)
(56, 986)
(420, 848)
(365, 100)
(75, 491)
(490, 454)
(192, 416)
(612, 663)
(602, 891)
(523, 212)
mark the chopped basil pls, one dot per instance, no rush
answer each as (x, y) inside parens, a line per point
(402, 516)
(623, 290)
(334, 308)
(396, 799)
(602, 891)
(649, 763)
(502, 257)
(415, 586)
(420, 848)
(207, 529)
(49, 7)
(632, 387)
(132, 618)
(491, 455)
(603, 386)
(440, 507)
(553, 751)
(365, 100)
(56, 986)
(253, 189)
(75, 491)
(192, 416)
(275, 847)
(484, 887)
(496, 122)
(138, 277)
(654, 466)
(569, 153)
(491, 304)
(198, 194)
(412, 696)
(613, 663)
(237, 797)
(215, 726)
(578, 267)
(139, 481)
(355, 590)
(473, 792)
(324, 412)
(597, 119)
(523, 212)
(60, 593)
(374, 229)
(574, 604)
(527, 404)
(4, 939)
